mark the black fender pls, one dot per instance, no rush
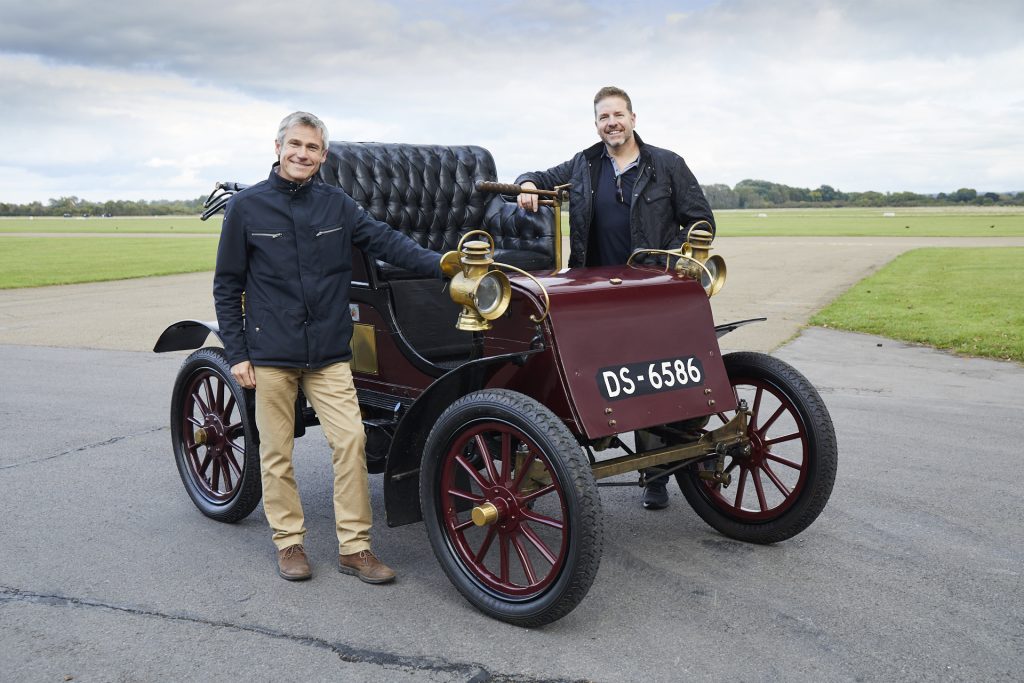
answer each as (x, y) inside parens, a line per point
(185, 335)
(402, 474)
(726, 328)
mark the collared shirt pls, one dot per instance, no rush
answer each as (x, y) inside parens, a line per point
(613, 197)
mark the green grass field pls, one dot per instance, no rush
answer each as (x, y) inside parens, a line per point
(131, 224)
(971, 221)
(37, 261)
(969, 301)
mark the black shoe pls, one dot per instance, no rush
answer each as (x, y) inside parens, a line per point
(655, 495)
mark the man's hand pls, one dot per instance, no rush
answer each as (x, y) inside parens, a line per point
(244, 374)
(528, 201)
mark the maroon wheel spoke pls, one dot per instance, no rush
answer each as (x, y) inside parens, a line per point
(203, 408)
(771, 420)
(465, 495)
(756, 476)
(541, 547)
(220, 399)
(205, 465)
(464, 525)
(506, 457)
(781, 439)
(211, 396)
(740, 487)
(543, 491)
(194, 421)
(215, 478)
(485, 454)
(523, 469)
(503, 558)
(233, 464)
(524, 559)
(486, 545)
(756, 407)
(775, 480)
(473, 473)
(225, 471)
(783, 461)
(542, 519)
(230, 407)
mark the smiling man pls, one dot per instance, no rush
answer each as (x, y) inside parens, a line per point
(285, 255)
(625, 195)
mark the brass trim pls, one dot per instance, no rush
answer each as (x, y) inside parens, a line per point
(364, 349)
(732, 433)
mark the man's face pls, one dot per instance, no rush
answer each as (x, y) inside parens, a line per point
(301, 153)
(614, 121)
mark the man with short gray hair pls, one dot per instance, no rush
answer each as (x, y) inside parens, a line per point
(285, 253)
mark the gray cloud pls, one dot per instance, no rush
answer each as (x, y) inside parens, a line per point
(862, 95)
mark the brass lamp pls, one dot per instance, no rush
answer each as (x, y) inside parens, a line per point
(483, 293)
(710, 271)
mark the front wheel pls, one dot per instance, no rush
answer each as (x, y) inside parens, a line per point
(511, 507)
(784, 483)
(213, 433)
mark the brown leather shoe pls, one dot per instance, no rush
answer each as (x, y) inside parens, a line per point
(292, 563)
(366, 566)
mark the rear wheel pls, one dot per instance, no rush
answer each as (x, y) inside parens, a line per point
(213, 433)
(511, 508)
(784, 483)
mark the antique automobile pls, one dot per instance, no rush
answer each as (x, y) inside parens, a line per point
(495, 402)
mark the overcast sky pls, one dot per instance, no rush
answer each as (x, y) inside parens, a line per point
(160, 99)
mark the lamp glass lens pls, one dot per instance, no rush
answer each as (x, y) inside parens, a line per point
(488, 293)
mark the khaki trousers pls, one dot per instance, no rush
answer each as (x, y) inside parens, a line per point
(333, 396)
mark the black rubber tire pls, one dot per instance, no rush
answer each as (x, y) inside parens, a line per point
(568, 580)
(205, 390)
(803, 407)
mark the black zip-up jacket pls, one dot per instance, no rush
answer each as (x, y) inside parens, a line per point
(667, 199)
(289, 248)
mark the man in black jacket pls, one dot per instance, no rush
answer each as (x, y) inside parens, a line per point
(286, 244)
(625, 195)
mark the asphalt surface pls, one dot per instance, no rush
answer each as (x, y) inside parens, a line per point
(108, 573)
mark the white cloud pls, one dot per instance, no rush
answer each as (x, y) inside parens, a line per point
(159, 100)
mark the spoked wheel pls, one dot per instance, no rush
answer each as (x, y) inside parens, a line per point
(784, 483)
(214, 438)
(511, 508)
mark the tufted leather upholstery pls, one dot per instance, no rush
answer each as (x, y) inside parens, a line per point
(427, 192)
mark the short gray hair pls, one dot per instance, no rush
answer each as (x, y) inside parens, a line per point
(302, 118)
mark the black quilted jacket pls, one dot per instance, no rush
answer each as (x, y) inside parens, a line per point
(289, 248)
(667, 198)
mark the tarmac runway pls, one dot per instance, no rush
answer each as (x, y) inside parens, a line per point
(912, 572)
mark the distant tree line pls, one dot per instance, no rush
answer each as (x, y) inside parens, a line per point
(748, 194)
(762, 194)
(75, 207)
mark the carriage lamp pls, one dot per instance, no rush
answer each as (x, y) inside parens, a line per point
(483, 293)
(697, 263)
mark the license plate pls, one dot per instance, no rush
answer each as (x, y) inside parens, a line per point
(649, 377)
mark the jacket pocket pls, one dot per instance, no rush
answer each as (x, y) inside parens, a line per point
(332, 248)
(272, 253)
(657, 194)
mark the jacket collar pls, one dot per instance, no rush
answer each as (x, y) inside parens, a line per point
(287, 186)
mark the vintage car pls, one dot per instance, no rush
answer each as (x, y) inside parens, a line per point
(493, 405)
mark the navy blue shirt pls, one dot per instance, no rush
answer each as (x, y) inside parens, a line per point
(611, 243)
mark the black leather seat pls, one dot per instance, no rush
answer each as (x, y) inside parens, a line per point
(428, 192)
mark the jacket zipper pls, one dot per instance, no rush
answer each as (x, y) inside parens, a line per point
(271, 235)
(328, 232)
